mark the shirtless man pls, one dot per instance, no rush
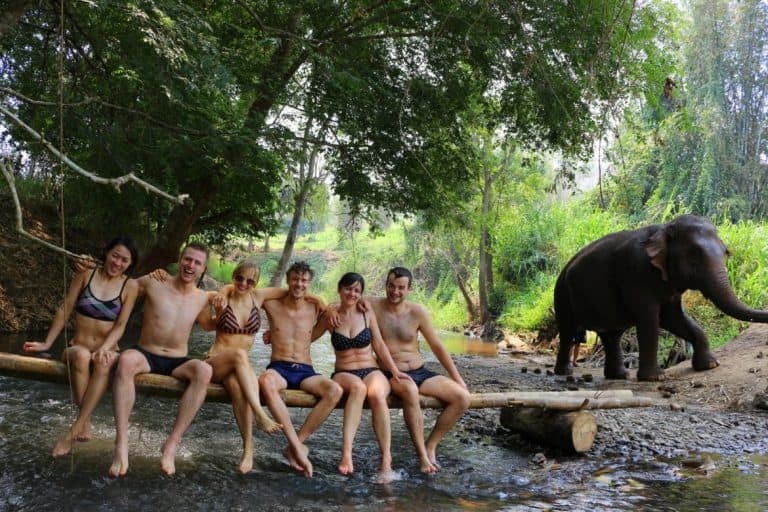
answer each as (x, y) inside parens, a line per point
(291, 320)
(170, 310)
(400, 322)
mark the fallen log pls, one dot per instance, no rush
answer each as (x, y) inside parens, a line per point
(573, 431)
(37, 368)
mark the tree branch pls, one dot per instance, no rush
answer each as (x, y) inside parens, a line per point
(115, 182)
(19, 220)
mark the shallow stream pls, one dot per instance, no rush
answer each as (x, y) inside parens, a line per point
(479, 472)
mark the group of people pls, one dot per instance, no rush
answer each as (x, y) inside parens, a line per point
(375, 341)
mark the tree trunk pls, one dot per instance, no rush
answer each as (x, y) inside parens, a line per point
(177, 229)
(290, 239)
(484, 256)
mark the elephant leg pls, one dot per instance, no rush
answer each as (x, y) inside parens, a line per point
(614, 355)
(648, 342)
(563, 362)
(674, 320)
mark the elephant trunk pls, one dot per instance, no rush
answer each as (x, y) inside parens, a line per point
(719, 291)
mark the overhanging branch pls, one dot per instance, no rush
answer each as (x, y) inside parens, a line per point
(115, 182)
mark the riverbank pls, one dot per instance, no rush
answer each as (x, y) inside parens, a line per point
(716, 411)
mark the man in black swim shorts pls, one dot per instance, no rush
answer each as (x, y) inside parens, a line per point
(170, 310)
(400, 322)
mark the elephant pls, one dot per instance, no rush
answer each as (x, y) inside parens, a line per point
(637, 278)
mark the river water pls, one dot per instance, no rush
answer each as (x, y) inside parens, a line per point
(477, 474)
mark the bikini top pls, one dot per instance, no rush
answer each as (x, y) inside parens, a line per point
(360, 340)
(93, 307)
(228, 324)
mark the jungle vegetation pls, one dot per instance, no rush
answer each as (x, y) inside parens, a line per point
(479, 143)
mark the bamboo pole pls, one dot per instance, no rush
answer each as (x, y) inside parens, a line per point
(37, 368)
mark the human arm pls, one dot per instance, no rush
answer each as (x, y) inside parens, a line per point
(260, 295)
(160, 274)
(320, 327)
(207, 319)
(437, 347)
(62, 314)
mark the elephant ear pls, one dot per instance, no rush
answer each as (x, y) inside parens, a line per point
(656, 248)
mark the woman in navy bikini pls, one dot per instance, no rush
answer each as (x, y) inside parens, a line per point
(355, 341)
(102, 300)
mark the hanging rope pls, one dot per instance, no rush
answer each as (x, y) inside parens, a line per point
(62, 177)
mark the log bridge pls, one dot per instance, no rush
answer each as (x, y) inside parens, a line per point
(559, 418)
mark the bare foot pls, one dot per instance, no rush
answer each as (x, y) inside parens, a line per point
(299, 459)
(432, 457)
(168, 460)
(385, 476)
(85, 434)
(345, 464)
(427, 466)
(266, 424)
(119, 465)
(246, 461)
(63, 445)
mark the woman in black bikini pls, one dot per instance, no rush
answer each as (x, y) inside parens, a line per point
(358, 373)
(99, 324)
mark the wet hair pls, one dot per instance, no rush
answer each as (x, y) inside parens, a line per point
(351, 278)
(129, 244)
(399, 272)
(300, 267)
(244, 266)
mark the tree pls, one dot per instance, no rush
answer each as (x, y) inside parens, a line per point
(192, 96)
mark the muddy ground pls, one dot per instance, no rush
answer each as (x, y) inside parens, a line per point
(712, 411)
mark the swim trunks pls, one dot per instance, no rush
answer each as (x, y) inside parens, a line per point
(91, 306)
(360, 340)
(293, 373)
(362, 373)
(228, 324)
(419, 375)
(161, 364)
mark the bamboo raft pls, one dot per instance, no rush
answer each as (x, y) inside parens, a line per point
(552, 417)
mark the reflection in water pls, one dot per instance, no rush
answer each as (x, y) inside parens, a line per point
(478, 473)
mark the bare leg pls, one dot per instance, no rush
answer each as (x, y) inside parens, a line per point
(198, 374)
(79, 361)
(329, 394)
(228, 362)
(456, 399)
(407, 391)
(271, 384)
(353, 412)
(378, 390)
(130, 364)
(96, 388)
(244, 420)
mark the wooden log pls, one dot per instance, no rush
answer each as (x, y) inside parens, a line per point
(37, 368)
(573, 431)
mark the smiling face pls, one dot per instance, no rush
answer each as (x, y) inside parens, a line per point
(192, 264)
(298, 284)
(117, 261)
(398, 288)
(350, 294)
(245, 279)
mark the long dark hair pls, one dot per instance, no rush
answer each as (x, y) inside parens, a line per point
(129, 244)
(351, 278)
